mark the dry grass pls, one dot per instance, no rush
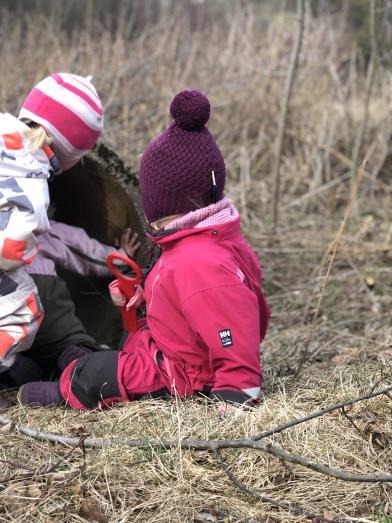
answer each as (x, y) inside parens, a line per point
(242, 69)
(158, 485)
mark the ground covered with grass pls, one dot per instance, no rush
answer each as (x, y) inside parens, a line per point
(348, 356)
(344, 350)
(146, 484)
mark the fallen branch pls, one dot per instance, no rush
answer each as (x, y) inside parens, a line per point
(321, 412)
(295, 509)
(212, 445)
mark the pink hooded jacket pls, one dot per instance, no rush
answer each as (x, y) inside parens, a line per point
(206, 317)
(206, 311)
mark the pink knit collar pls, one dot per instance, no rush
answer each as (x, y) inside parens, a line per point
(215, 214)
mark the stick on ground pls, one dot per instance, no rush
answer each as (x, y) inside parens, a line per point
(213, 445)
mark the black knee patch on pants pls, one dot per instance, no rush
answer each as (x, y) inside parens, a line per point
(94, 378)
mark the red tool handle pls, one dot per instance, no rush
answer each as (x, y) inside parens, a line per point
(126, 285)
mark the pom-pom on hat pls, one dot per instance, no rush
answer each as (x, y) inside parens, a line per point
(70, 110)
(176, 168)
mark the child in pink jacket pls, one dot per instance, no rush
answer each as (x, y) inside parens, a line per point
(206, 313)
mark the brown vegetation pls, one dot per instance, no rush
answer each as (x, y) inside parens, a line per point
(243, 69)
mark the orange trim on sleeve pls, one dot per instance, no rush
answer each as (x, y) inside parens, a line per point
(13, 249)
(29, 260)
(31, 303)
(13, 141)
(48, 151)
(6, 342)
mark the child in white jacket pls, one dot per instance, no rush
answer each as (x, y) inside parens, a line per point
(60, 121)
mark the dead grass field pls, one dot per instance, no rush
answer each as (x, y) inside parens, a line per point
(242, 69)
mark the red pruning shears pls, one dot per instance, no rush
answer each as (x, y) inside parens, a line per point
(126, 285)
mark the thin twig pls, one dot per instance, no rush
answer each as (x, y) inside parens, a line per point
(351, 421)
(295, 509)
(68, 454)
(284, 110)
(368, 88)
(333, 249)
(16, 465)
(319, 413)
(42, 471)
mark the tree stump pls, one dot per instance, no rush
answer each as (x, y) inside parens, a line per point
(100, 195)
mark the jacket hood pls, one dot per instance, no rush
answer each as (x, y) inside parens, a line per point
(223, 230)
(17, 161)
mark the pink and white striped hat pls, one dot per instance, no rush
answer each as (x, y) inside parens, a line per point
(70, 110)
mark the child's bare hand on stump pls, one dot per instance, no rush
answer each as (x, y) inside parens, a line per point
(128, 242)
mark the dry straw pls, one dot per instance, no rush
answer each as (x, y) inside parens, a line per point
(242, 66)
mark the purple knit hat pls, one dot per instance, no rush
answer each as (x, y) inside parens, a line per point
(175, 171)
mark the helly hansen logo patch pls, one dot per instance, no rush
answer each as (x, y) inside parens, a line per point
(226, 339)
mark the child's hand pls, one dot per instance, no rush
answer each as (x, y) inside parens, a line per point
(129, 242)
(138, 298)
(116, 295)
(120, 300)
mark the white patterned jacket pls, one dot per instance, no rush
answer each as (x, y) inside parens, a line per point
(24, 199)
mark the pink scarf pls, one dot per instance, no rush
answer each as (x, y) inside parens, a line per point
(221, 212)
